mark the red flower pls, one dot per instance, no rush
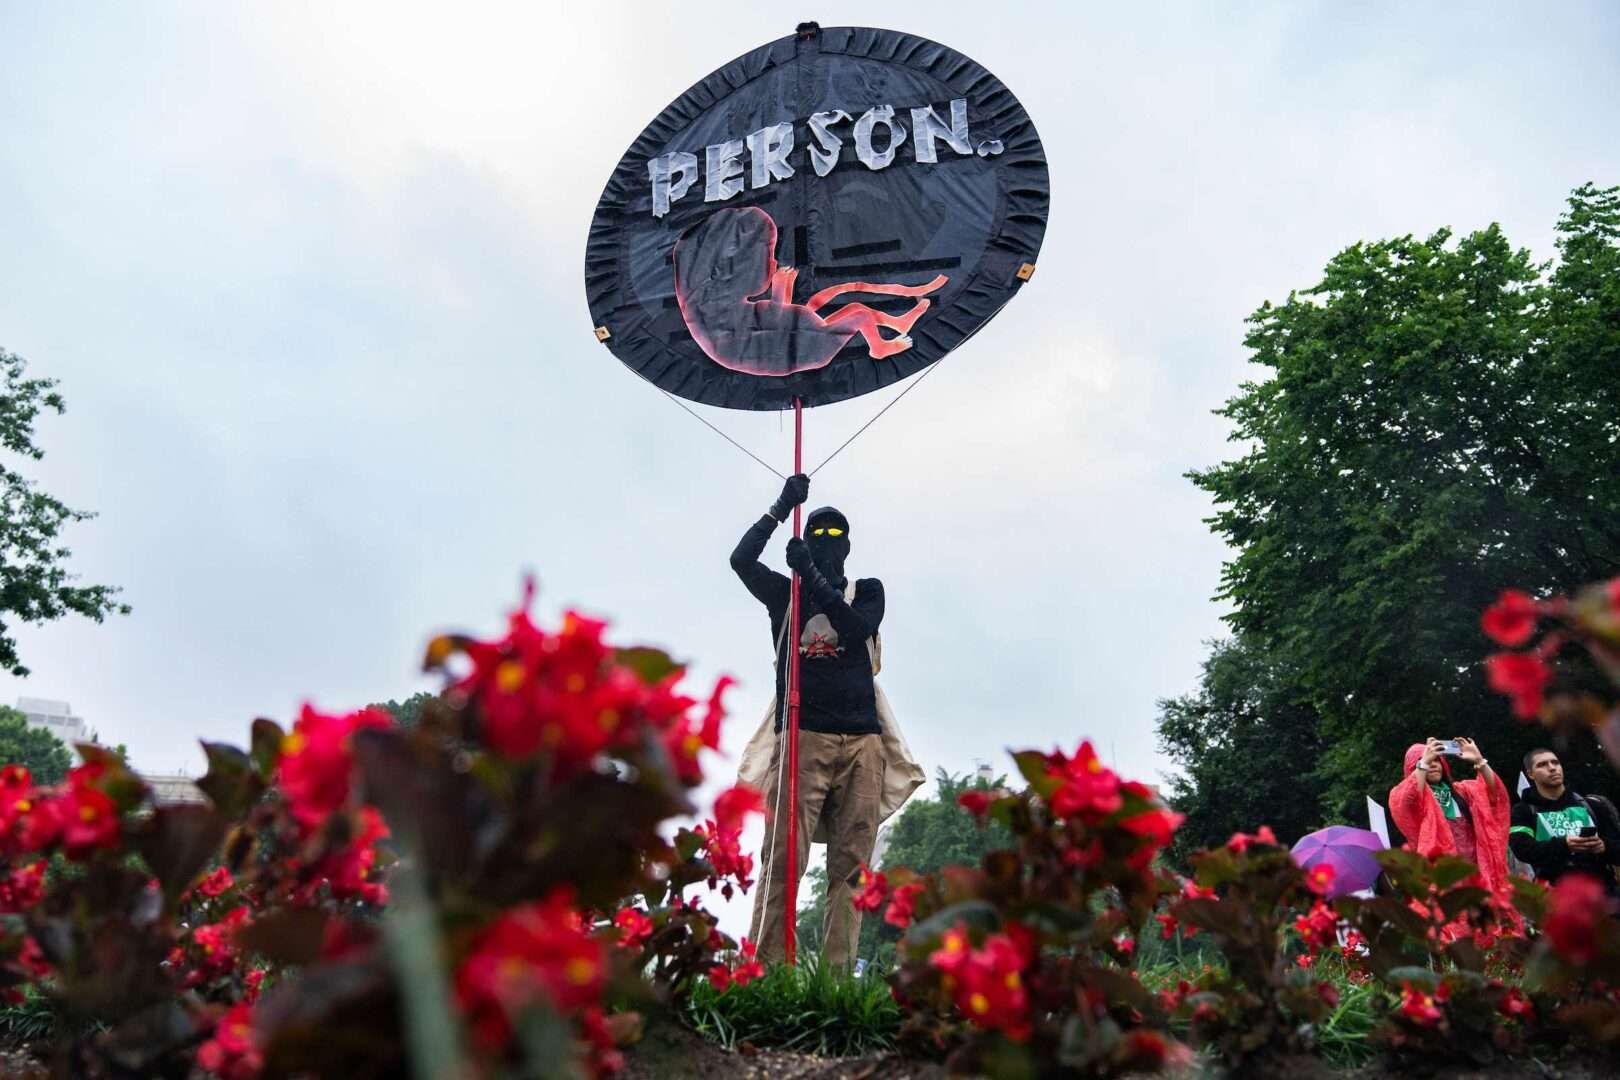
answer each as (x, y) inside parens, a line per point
(687, 737)
(975, 802)
(1318, 927)
(253, 981)
(1146, 1050)
(723, 849)
(874, 890)
(1156, 827)
(1611, 591)
(1420, 1006)
(1515, 1005)
(720, 978)
(216, 883)
(1125, 944)
(22, 888)
(990, 988)
(217, 944)
(1512, 619)
(1574, 911)
(1168, 924)
(232, 1053)
(750, 968)
(1191, 890)
(537, 952)
(1328, 993)
(317, 763)
(902, 905)
(733, 805)
(1522, 677)
(350, 872)
(1239, 843)
(634, 927)
(1087, 789)
(89, 820)
(1319, 878)
(954, 950)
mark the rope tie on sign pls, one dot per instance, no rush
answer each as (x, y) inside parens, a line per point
(908, 388)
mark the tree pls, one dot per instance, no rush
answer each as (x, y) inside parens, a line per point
(1242, 742)
(1441, 422)
(41, 753)
(928, 834)
(407, 713)
(35, 585)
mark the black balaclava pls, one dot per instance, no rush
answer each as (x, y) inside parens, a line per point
(829, 552)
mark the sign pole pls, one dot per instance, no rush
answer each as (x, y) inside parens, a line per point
(791, 914)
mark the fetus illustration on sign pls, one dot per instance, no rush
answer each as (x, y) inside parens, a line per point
(738, 303)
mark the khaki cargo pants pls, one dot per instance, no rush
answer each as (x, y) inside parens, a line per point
(841, 781)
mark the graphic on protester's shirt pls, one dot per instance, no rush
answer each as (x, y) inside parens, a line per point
(1557, 824)
(819, 638)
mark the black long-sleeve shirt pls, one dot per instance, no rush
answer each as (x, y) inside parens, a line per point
(1537, 829)
(837, 695)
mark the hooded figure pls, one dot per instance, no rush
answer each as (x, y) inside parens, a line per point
(854, 768)
(1466, 818)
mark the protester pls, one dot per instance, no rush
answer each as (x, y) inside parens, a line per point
(1558, 832)
(1466, 818)
(854, 768)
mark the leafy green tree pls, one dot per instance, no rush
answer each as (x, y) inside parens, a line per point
(1242, 741)
(35, 585)
(927, 835)
(1441, 422)
(407, 713)
(21, 743)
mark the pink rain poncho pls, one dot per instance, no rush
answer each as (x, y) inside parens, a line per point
(1419, 815)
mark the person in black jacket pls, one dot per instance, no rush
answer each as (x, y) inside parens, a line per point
(1557, 831)
(840, 738)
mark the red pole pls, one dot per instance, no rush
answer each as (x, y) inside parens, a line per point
(791, 915)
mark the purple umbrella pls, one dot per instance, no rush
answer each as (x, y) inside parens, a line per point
(1348, 850)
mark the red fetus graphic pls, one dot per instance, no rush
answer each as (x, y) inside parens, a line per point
(738, 304)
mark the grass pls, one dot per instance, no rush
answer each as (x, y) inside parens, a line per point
(808, 1009)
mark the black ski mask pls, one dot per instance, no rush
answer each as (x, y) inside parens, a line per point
(826, 534)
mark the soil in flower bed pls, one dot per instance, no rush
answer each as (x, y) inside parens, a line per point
(671, 1052)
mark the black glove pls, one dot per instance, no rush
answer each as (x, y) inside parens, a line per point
(794, 492)
(799, 560)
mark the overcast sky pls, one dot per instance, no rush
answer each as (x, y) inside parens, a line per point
(311, 280)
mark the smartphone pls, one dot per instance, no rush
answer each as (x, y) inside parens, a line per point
(1450, 748)
(1588, 831)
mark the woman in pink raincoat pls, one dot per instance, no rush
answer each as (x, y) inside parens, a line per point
(1466, 818)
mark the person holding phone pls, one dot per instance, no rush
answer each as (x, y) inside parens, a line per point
(1442, 816)
(1558, 831)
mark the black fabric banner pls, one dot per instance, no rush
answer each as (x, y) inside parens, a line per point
(820, 218)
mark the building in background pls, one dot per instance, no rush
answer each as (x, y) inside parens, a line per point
(55, 717)
(173, 789)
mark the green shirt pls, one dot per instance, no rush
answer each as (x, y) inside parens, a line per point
(1448, 802)
(1557, 824)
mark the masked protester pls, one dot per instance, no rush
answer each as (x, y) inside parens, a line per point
(1440, 816)
(854, 769)
(1557, 831)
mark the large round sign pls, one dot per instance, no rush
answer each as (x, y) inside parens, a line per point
(818, 219)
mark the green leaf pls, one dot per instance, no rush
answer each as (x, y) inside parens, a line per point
(178, 842)
(266, 747)
(1417, 976)
(652, 665)
(977, 914)
(231, 783)
(1033, 766)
